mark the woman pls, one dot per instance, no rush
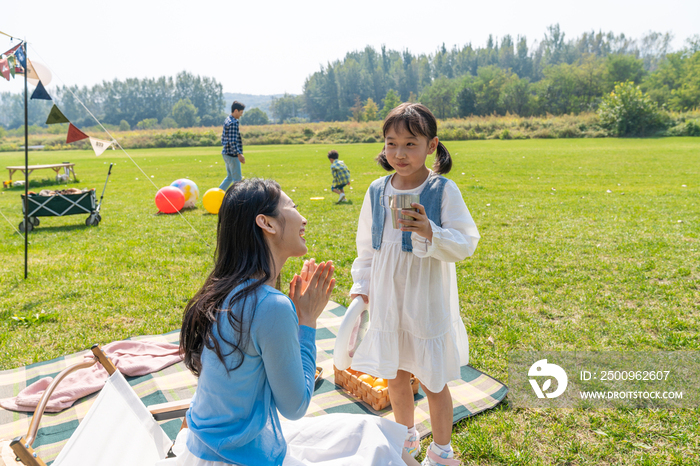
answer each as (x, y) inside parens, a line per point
(253, 348)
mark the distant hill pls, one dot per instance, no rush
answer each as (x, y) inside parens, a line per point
(251, 101)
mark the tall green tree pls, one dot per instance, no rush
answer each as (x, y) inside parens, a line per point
(466, 99)
(620, 68)
(440, 97)
(286, 107)
(185, 113)
(390, 102)
(676, 83)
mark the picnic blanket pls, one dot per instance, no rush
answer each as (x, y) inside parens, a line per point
(474, 393)
(130, 358)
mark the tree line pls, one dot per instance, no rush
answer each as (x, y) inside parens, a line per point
(508, 76)
(184, 101)
(555, 76)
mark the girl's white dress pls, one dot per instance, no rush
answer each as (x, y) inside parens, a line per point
(415, 323)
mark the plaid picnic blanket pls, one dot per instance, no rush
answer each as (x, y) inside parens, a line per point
(474, 393)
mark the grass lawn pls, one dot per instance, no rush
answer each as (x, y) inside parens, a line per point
(587, 244)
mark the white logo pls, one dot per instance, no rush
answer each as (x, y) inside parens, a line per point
(543, 369)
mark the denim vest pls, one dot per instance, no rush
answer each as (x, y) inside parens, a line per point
(430, 198)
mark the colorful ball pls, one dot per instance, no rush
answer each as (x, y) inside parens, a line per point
(169, 200)
(212, 200)
(189, 189)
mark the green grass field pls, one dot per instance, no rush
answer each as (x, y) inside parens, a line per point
(587, 244)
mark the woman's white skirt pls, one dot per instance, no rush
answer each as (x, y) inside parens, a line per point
(328, 440)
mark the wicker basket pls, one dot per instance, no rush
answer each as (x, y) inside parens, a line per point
(378, 399)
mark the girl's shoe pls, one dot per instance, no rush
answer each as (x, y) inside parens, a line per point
(412, 444)
(436, 457)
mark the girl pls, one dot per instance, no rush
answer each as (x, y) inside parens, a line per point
(408, 277)
(253, 348)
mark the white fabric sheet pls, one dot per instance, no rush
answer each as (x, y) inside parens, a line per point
(329, 440)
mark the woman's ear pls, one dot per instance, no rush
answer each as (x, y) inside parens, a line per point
(264, 223)
(432, 145)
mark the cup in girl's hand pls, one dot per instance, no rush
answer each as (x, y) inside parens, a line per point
(399, 202)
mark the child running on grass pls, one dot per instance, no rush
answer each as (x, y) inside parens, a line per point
(341, 175)
(408, 277)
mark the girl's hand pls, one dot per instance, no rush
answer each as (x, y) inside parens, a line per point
(420, 223)
(311, 298)
(365, 298)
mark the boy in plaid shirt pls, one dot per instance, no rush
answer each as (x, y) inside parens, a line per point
(341, 175)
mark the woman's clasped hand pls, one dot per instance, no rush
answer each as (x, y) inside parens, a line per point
(311, 290)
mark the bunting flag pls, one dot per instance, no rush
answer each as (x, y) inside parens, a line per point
(56, 116)
(12, 64)
(21, 56)
(40, 93)
(99, 146)
(5, 68)
(12, 50)
(37, 72)
(74, 134)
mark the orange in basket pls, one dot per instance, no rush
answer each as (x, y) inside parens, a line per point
(376, 397)
(380, 383)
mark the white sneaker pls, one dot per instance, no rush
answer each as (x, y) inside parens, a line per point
(341, 198)
(436, 457)
(412, 444)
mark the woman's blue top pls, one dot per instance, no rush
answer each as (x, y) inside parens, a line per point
(233, 416)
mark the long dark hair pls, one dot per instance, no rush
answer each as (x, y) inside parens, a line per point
(241, 253)
(418, 120)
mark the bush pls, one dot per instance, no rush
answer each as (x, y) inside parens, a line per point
(209, 120)
(124, 125)
(687, 128)
(148, 123)
(543, 133)
(167, 123)
(569, 132)
(627, 111)
(255, 117)
(294, 120)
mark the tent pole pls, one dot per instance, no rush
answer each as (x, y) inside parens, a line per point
(26, 161)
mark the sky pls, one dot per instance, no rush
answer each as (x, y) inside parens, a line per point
(271, 47)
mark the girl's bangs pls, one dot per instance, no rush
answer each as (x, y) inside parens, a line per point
(407, 120)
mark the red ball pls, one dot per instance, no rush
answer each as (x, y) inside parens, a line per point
(170, 200)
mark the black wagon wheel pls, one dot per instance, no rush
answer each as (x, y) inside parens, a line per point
(28, 228)
(35, 221)
(92, 220)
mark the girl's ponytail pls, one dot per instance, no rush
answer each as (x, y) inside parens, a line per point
(443, 160)
(382, 161)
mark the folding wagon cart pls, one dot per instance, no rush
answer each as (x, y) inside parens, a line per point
(59, 205)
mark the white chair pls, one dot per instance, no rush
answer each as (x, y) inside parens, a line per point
(118, 429)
